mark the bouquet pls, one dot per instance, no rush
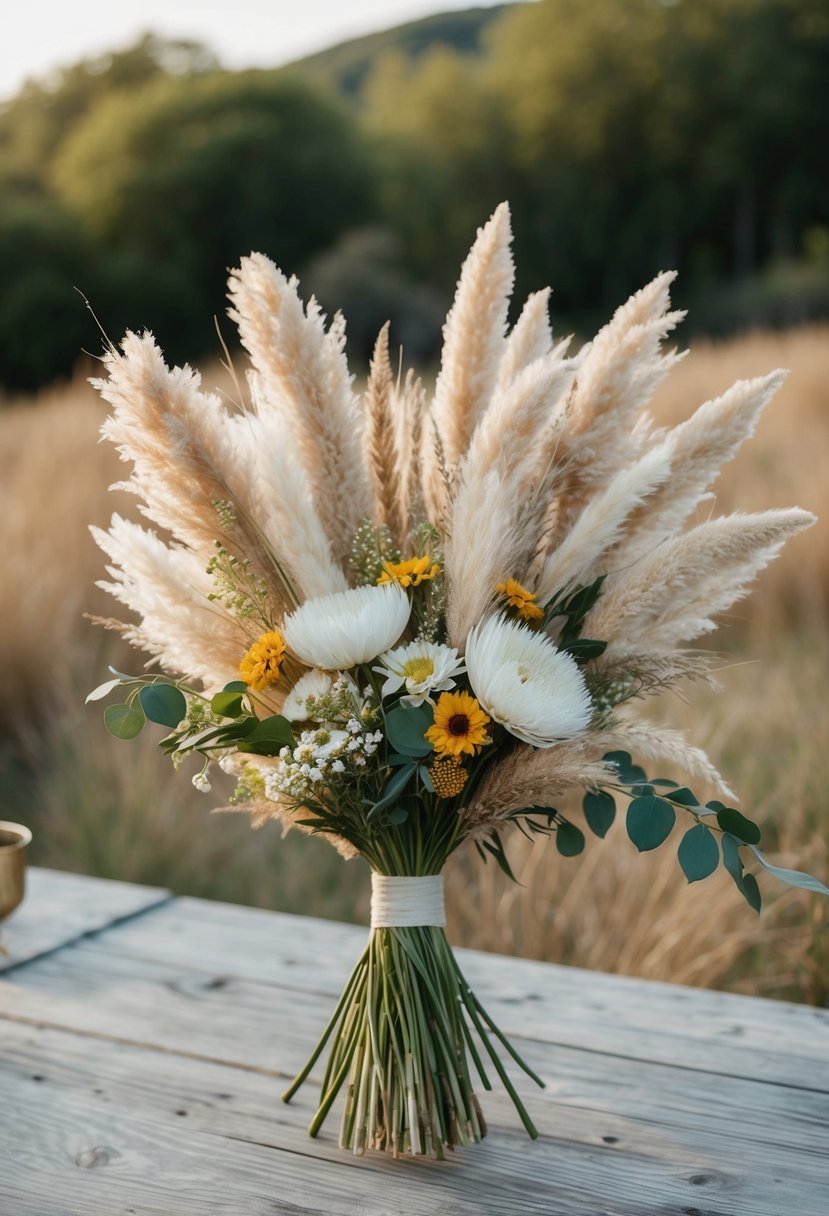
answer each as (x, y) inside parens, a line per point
(408, 625)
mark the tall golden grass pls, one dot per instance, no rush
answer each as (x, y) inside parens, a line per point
(102, 806)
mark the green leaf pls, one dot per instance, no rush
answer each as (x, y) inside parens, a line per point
(752, 892)
(794, 878)
(228, 703)
(124, 721)
(268, 737)
(569, 839)
(683, 796)
(649, 821)
(629, 773)
(426, 778)
(235, 686)
(394, 787)
(397, 815)
(584, 649)
(738, 825)
(163, 703)
(103, 690)
(699, 854)
(599, 811)
(406, 726)
(218, 735)
(665, 783)
(495, 848)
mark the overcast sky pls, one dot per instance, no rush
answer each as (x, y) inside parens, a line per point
(38, 35)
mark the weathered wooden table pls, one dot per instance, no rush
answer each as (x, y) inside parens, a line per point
(144, 1041)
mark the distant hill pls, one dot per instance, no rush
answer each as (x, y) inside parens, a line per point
(347, 64)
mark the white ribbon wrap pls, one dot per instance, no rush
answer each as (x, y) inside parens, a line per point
(402, 902)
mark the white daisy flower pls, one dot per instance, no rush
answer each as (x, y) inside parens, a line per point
(312, 684)
(350, 627)
(424, 667)
(334, 743)
(524, 682)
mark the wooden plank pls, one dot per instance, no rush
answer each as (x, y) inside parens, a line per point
(61, 907)
(90, 1127)
(699, 1028)
(259, 1027)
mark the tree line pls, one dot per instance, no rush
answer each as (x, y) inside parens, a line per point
(629, 136)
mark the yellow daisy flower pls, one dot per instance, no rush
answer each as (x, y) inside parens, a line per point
(260, 666)
(522, 600)
(460, 725)
(410, 573)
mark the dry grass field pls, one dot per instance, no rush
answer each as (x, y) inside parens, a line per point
(102, 806)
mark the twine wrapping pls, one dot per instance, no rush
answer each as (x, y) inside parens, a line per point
(401, 902)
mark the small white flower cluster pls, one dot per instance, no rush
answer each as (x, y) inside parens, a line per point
(321, 757)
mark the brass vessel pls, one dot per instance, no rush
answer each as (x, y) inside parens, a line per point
(14, 840)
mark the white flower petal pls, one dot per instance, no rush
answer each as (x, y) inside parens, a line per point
(339, 631)
(312, 684)
(524, 682)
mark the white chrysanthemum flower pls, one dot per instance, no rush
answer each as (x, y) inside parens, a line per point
(350, 627)
(424, 667)
(312, 684)
(522, 681)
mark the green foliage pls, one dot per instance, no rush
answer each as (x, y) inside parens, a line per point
(123, 721)
(599, 811)
(163, 703)
(44, 258)
(698, 853)
(178, 179)
(406, 726)
(650, 821)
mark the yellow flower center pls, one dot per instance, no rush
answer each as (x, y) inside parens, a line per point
(418, 669)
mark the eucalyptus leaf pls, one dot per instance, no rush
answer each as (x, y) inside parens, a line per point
(599, 811)
(103, 690)
(794, 878)
(163, 703)
(124, 721)
(649, 821)
(699, 853)
(738, 825)
(235, 686)
(752, 892)
(629, 773)
(394, 788)
(569, 839)
(406, 726)
(228, 703)
(683, 796)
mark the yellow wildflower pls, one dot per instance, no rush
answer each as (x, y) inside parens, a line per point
(522, 600)
(460, 725)
(260, 666)
(410, 573)
(448, 776)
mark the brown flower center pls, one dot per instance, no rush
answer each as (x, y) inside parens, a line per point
(459, 725)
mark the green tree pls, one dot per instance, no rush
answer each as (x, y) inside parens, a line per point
(182, 178)
(43, 322)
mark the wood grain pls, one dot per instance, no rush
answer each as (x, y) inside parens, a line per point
(61, 907)
(124, 1129)
(141, 1062)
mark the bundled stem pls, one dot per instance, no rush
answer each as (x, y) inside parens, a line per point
(403, 1042)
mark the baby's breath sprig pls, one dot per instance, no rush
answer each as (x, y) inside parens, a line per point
(371, 547)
